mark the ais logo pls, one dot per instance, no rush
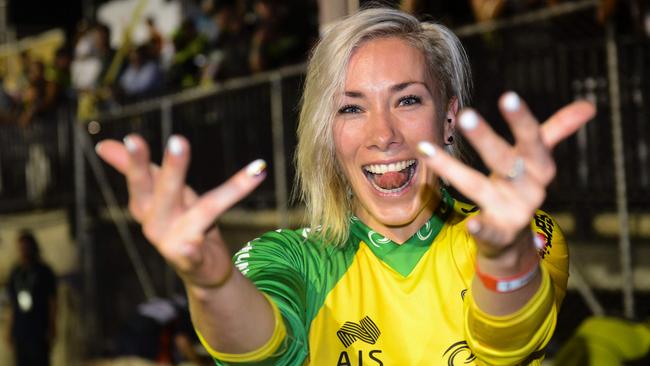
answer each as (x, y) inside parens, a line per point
(366, 331)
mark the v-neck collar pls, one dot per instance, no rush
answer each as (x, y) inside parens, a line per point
(404, 257)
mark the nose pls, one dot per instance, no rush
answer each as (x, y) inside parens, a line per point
(383, 131)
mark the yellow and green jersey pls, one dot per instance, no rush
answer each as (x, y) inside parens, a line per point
(376, 302)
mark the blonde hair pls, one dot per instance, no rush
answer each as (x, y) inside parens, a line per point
(321, 183)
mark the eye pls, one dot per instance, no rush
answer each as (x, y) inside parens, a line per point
(409, 100)
(350, 108)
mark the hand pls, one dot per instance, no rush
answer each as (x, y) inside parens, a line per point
(520, 173)
(177, 221)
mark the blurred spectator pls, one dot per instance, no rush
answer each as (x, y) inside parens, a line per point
(32, 299)
(58, 77)
(155, 43)
(186, 64)
(143, 76)
(93, 55)
(35, 102)
(228, 59)
(204, 23)
(283, 35)
(86, 65)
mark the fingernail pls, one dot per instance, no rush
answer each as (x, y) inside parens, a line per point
(511, 102)
(174, 145)
(427, 148)
(256, 168)
(129, 144)
(98, 146)
(473, 226)
(469, 120)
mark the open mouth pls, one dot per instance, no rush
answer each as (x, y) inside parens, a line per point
(391, 178)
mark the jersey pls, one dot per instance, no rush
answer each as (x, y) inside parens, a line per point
(376, 302)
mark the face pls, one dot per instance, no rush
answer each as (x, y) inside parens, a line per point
(387, 107)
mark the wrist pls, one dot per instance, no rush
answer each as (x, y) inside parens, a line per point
(510, 260)
(203, 290)
(506, 284)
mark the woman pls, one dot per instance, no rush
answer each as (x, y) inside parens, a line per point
(392, 270)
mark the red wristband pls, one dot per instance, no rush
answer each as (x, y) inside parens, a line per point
(510, 283)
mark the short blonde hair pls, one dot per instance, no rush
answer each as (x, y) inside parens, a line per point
(322, 185)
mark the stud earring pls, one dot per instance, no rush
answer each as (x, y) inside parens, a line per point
(450, 140)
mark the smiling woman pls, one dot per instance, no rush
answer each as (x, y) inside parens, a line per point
(392, 270)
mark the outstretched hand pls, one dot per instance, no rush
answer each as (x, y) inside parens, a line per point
(177, 221)
(520, 173)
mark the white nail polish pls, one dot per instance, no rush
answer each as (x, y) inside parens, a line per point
(256, 168)
(469, 120)
(427, 148)
(129, 144)
(511, 102)
(174, 145)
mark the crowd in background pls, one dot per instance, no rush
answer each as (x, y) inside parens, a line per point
(217, 40)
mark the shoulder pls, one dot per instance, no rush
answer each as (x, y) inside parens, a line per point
(281, 248)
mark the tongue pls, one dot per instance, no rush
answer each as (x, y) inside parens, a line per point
(391, 180)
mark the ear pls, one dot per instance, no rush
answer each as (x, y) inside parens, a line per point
(450, 120)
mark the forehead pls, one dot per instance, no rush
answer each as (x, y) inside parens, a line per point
(385, 61)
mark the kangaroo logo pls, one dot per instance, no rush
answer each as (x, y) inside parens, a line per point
(367, 331)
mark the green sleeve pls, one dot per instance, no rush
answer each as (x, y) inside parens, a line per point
(281, 264)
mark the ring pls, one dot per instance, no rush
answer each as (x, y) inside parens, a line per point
(517, 169)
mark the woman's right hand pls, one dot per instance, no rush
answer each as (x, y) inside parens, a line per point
(178, 222)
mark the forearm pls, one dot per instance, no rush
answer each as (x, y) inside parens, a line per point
(233, 318)
(507, 327)
(516, 259)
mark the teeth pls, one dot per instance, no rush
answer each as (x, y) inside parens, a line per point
(392, 167)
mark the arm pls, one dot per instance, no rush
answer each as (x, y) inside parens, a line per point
(227, 309)
(509, 198)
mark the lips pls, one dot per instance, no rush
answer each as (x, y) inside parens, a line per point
(391, 178)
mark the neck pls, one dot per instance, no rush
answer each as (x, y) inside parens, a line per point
(399, 234)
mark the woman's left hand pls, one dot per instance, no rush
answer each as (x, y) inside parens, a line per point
(516, 187)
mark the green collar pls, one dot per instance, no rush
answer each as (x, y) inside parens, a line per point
(404, 257)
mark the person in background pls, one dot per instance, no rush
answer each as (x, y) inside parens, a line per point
(143, 76)
(32, 298)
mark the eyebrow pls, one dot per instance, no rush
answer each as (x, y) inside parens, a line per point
(394, 88)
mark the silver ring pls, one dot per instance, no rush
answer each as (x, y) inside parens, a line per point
(517, 170)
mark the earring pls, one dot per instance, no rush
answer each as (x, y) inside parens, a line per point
(450, 140)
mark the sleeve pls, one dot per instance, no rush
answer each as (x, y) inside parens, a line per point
(521, 337)
(275, 263)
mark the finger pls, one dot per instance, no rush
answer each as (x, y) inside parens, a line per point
(522, 123)
(495, 152)
(466, 180)
(189, 195)
(215, 202)
(566, 121)
(114, 153)
(170, 182)
(138, 176)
